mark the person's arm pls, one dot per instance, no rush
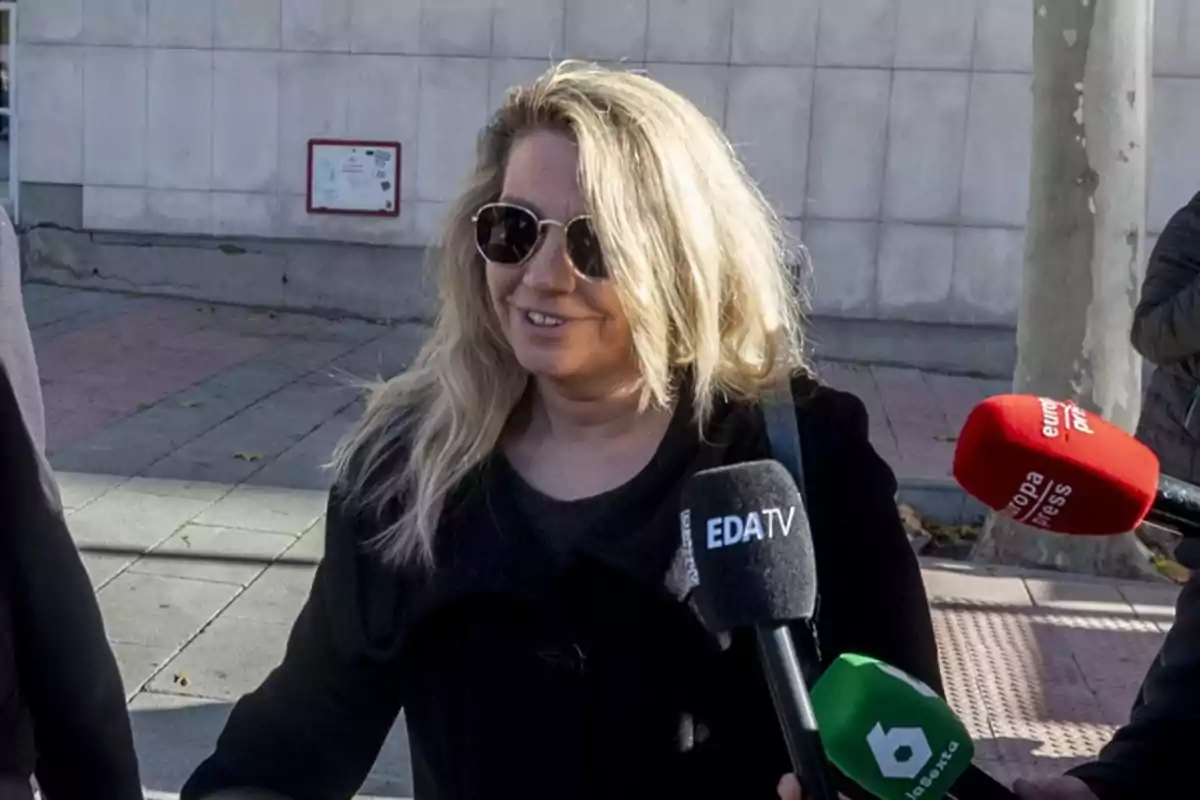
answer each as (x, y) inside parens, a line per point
(66, 672)
(313, 729)
(1150, 753)
(16, 344)
(872, 596)
(1166, 322)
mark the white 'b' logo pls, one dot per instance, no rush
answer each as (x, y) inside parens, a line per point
(886, 747)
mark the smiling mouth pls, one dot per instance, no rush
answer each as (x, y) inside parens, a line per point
(540, 320)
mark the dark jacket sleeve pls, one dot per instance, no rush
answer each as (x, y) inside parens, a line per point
(1149, 756)
(871, 595)
(66, 672)
(1166, 322)
(16, 345)
(313, 729)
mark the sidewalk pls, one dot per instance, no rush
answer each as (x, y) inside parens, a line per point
(188, 440)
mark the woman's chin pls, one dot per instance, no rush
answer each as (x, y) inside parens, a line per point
(548, 367)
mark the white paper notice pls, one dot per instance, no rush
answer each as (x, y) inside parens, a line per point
(354, 178)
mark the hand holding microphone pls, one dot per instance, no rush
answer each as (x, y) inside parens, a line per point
(789, 789)
(1055, 466)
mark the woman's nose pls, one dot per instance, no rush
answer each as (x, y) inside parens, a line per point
(549, 269)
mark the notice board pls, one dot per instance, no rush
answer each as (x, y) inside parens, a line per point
(353, 176)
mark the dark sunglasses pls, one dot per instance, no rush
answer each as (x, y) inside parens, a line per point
(509, 234)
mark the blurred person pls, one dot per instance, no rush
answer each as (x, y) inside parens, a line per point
(62, 705)
(1149, 755)
(1166, 331)
(16, 345)
(1144, 753)
(502, 543)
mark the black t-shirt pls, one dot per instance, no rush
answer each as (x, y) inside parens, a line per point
(560, 523)
(556, 522)
(600, 521)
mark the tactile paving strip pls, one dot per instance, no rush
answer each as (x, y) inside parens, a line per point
(1040, 691)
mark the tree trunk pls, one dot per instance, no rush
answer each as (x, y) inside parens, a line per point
(1085, 234)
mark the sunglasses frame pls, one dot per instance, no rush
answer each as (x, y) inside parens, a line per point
(542, 223)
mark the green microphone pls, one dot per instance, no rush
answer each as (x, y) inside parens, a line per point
(894, 736)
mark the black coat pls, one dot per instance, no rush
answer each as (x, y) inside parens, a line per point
(1166, 331)
(62, 706)
(1150, 756)
(529, 677)
(61, 699)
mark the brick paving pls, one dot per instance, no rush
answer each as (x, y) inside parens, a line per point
(1042, 669)
(915, 416)
(139, 351)
(188, 441)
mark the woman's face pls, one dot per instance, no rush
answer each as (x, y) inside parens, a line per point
(561, 325)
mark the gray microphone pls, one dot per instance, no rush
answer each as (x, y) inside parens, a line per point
(745, 530)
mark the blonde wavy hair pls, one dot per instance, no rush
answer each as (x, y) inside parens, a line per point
(698, 258)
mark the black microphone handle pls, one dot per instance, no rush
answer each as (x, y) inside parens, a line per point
(1177, 505)
(975, 784)
(781, 664)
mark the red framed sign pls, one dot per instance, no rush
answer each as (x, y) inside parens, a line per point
(353, 176)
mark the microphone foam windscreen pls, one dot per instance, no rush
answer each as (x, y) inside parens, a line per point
(749, 538)
(887, 731)
(1055, 466)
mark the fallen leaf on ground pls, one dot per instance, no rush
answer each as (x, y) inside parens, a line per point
(191, 403)
(248, 456)
(180, 679)
(1170, 568)
(955, 533)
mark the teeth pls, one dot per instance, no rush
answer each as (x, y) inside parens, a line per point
(543, 320)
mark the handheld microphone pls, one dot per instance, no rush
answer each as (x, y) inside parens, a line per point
(746, 533)
(892, 735)
(1055, 466)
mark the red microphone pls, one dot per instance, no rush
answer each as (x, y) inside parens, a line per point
(1056, 466)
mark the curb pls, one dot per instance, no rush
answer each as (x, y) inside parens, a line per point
(941, 500)
(974, 569)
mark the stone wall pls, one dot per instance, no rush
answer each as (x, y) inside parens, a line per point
(893, 134)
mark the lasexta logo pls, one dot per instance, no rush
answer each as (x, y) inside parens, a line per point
(899, 752)
(903, 752)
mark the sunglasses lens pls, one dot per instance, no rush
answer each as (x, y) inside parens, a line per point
(584, 248)
(506, 234)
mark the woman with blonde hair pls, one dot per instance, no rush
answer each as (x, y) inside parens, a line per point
(502, 535)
